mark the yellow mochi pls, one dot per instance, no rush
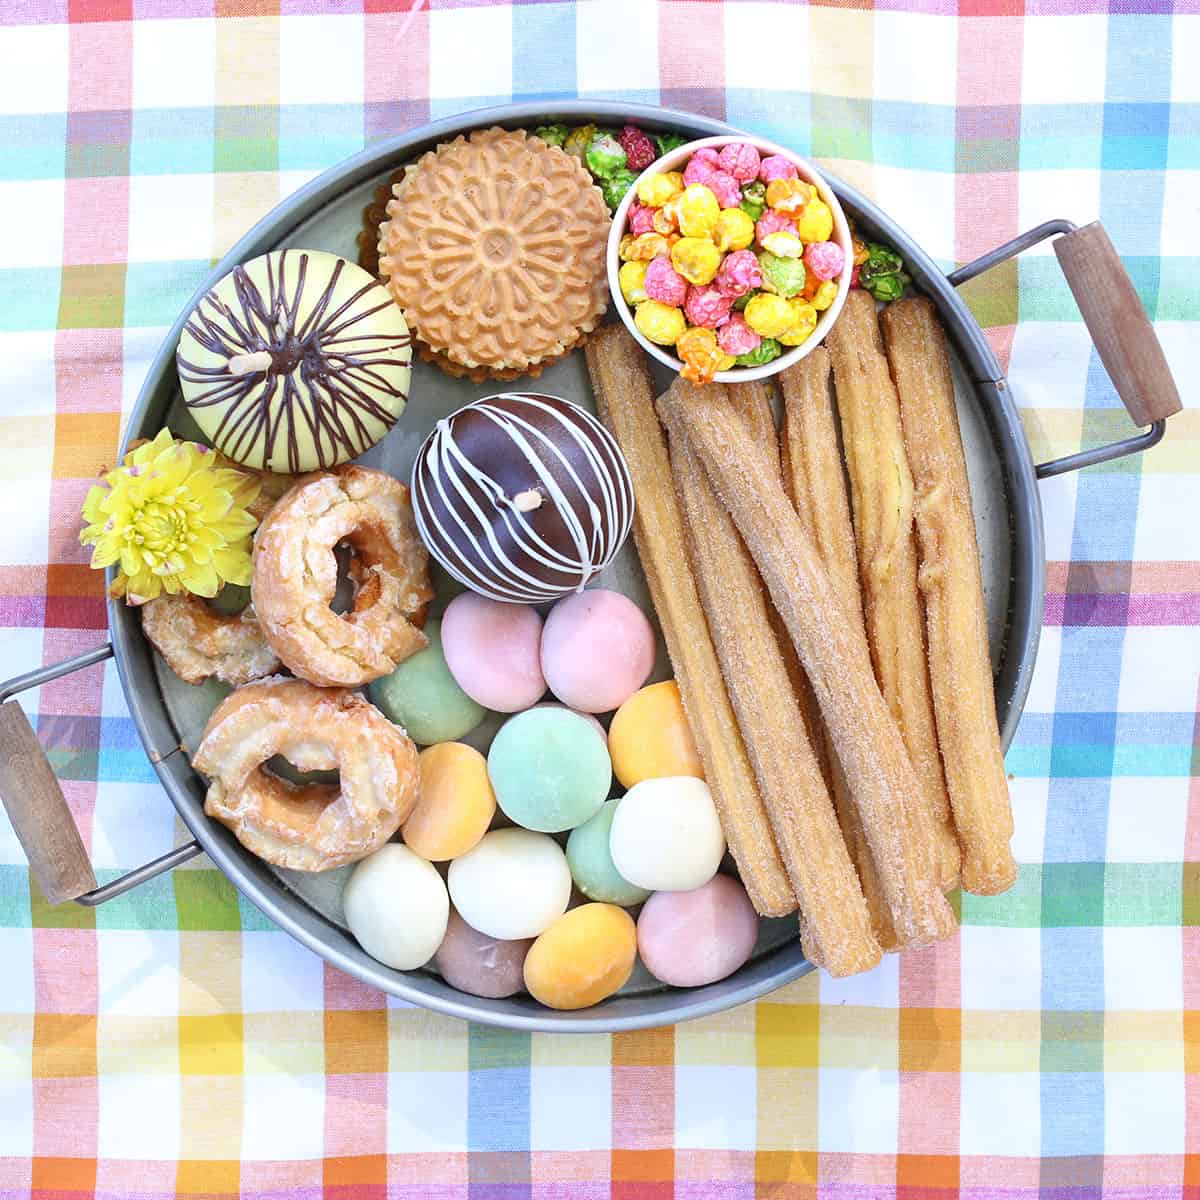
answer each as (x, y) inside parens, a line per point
(456, 804)
(586, 955)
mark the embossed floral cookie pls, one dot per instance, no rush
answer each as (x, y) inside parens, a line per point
(494, 247)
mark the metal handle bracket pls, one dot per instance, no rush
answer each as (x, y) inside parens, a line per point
(1150, 436)
(28, 836)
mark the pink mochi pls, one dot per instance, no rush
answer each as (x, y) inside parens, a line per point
(493, 651)
(688, 939)
(597, 650)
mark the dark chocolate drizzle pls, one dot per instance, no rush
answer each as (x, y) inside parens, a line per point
(338, 382)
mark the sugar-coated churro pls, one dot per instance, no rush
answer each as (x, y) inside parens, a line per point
(625, 399)
(882, 502)
(835, 926)
(816, 485)
(752, 401)
(866, 739)
(955, 617)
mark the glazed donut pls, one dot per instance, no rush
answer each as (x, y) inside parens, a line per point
(306, 827)
(295, 574)
(197, 641)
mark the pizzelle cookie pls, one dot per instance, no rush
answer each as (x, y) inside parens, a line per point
(494, 247)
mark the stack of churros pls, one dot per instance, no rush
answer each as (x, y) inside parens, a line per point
(882, 491)
(834, 667)
(955, 619)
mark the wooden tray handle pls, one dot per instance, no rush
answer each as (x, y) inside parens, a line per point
(38, 810)
(1118, 322)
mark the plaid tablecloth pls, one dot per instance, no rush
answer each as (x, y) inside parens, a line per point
(174, 1043)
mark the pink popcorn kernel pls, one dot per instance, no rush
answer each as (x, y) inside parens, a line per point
(707, 306)
(698, 170)
(739, 273)
(639, 149)
(641, 219)
(824, 259)
(736, 337)
(707, 154)
(775, 166)
(741, 160)
(773, 222)
(663, 283)
(725, 188)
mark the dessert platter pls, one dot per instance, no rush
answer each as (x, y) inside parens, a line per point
(580, 569)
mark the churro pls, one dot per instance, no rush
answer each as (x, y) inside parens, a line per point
(752, 401)
(835, 926)
(816, 485)
(866, 739)
(882, 500)
(955, 618)
(625, 400)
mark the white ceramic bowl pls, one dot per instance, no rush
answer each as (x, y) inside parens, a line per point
(675, 159)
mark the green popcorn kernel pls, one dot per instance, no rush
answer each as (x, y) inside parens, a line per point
(886, 288)
(554, 134)
(615, 187)
(783, 276)
(605, 156)
(667, 142)
(741, 302)
(754, 199)
(881, 260)
(763, 353)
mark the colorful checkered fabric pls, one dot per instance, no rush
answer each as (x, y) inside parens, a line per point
(173, 1043)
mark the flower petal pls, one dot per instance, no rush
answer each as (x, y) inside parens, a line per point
(200, 579)
(233, 566)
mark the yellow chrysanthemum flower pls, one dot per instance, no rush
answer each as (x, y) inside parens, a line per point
(172, 518)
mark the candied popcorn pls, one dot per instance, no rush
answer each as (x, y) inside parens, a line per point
(698, 211)
(824, 259)
(701, 356)
(696, 259)
(645, 246)
(815, 223)
(707, 306)
(804, 321)
(739, 273)
(632, 278)
(664, 284)
(736, 337)
(733, 231)
(775, 166)
(769, 315)
(741, 160)
(789, 196)
(660, 323)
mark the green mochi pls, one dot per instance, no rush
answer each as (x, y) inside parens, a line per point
(422, 697)
(550, 769)
(592, 865)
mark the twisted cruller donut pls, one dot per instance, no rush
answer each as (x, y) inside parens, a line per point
(197, 641)
(295, 574)
(306, 827)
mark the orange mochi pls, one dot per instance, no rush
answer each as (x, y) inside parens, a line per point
(456, 804)
(586, 955)
(650, 737)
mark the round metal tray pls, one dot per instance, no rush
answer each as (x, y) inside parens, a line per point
(326, 214)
